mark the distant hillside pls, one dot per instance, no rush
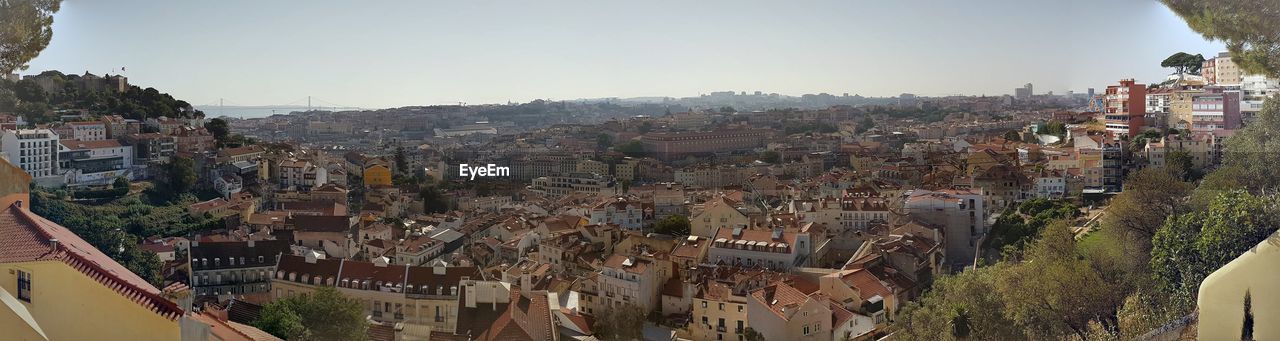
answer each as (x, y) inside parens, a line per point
(41, 97)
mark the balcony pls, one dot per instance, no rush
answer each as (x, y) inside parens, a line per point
(377, 313)
(720, 329)
(399, 316)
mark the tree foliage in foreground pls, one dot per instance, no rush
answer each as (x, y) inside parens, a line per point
(1058, 290)
(26, 26)
(324, 314)
(1190, 247)
(1250, 29)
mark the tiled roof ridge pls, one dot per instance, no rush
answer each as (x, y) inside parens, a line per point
(152, 301)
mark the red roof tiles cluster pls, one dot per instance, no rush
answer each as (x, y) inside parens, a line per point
(26, 237)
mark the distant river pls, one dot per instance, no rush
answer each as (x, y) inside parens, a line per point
(252, 112)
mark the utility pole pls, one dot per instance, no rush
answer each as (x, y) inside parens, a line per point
(308, 103)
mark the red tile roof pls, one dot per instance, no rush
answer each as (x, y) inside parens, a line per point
(26, 237)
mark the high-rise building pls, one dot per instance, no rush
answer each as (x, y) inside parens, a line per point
(1024, 92)
(1221, 70)
(1125, 106)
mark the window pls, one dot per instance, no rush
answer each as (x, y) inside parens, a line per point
(739, 309)
(24, 286)
(806, 330)
(721, 306)
(704, 304)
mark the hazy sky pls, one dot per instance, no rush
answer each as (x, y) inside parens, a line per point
(395, 53)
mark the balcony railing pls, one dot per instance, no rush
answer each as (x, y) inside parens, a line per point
(377, 313)
(720, 329)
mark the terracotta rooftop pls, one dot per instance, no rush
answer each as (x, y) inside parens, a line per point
(26, 237)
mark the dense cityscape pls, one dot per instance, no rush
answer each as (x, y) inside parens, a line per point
(1137, 209)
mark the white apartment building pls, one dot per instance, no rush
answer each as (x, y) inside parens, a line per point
(98, 162)
(1254, 89)
(629, 280)
(33, 150)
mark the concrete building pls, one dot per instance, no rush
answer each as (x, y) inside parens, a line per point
(1214, 109)
(1221, 70)
(668, 146)
(961, 213)
(93, 163)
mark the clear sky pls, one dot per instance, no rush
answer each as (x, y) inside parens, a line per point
(396, 53)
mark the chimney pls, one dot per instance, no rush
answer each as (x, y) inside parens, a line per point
(195, 241)
(250, 240)
(53, 243)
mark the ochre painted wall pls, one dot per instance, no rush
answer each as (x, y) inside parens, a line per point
(71, 306)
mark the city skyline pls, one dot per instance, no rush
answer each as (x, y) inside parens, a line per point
(420, 54)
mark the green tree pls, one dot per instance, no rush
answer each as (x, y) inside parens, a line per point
(1186, 249)
(1149, 196)
(218, 127)
(770, 156)
(620, 323)
(750, 334)
(674, 225)
(1180, 166)
(181, 174)
(26, 26)
(433, 201)
(1056, 292)
(646, 126)
(120, 182)
(603, 141)
(1248, 27)
(402, 162)
(324, 314)
(932, 317)
(1183, 62)
(632, 148)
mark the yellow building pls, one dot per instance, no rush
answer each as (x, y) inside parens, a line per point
(377, 174)
(56, 286)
